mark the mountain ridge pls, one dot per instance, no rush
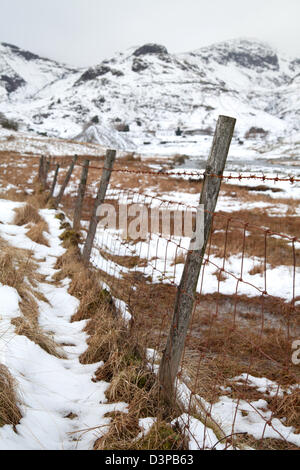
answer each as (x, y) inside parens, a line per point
(147, 90)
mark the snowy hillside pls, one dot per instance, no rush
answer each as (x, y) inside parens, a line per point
(149, 92)
(24, 73)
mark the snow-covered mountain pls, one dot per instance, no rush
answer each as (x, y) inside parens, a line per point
(151, 92)
(23, 73)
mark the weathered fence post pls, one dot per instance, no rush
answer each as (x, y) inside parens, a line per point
(66, 181)
(45, 173)
(41, 168)
(186, 291)
(54, 180)
(108, 165)
(80, 196)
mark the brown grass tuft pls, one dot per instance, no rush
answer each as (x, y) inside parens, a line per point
(29, 327)
(26, 214)
(18, 270)
(36, 233)
(162, 436)
(123, 429)
(9, 411)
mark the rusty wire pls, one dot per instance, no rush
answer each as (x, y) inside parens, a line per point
(196, 174)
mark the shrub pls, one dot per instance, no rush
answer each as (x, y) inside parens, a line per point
(8, 123)
(255, 132)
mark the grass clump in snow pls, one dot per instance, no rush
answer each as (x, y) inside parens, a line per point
(124, 434)
(162, 436)
(123, 429)
(18, 270)
(36, 233)
(26, 214)
(9, 411)
(28, 326)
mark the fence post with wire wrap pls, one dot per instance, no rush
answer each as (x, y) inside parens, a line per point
(108, 165)
(186, 291)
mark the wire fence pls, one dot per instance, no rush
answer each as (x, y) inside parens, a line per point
(236, 373)
(244, 318)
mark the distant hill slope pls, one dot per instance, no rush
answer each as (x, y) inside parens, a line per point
(147, 90)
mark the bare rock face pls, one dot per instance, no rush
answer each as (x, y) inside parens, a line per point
(95, 72)
(243, 53)
(245, 59)
(12, 83)
(92, 73)
(150, 49)
(138, 65)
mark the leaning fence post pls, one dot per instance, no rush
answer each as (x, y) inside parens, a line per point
(66, 181)
(186, 291)
(80, 196)
(54, 180)
(108, 165)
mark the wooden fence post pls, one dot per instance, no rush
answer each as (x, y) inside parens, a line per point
(45, 172)
(80, 196)
(108, 165)
(54, 180)
(66, 181)
(186, 291)
(41, 168)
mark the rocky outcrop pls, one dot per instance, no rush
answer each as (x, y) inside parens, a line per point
(12, 83)
(150, 49)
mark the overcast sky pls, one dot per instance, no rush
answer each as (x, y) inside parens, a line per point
(84, 32)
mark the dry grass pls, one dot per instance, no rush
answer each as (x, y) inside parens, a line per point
(123, 429)
(18, 270)
(126, 261)
(287, 408)
(162, 436)
(266, 443)
(123, 434)
(27, 214)
(277, 251)
(13, 194)
(29, 327)
(36, 233)
(9, 411)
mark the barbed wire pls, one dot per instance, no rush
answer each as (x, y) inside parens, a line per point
(199, 174)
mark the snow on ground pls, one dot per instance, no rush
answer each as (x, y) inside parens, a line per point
(49, 388)
(31, 144)
(234, 416)
(162, 253)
